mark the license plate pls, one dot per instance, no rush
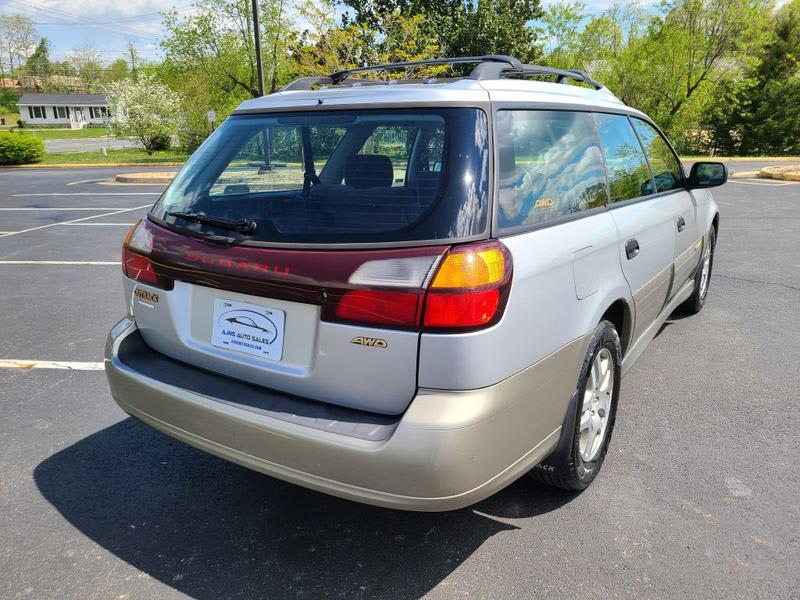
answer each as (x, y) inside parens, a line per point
(255, 330)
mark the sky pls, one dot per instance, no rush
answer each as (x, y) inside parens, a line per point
(105, 25)
(108, 26)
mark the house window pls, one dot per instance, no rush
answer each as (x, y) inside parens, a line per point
(98, 112)
(62, 112)
(37, 112)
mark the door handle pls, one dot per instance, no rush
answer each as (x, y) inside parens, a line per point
(631, 248)
(681, 224)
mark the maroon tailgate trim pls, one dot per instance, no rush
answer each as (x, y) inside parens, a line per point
(306, 276)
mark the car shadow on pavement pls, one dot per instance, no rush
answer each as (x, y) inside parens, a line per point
(212, 529)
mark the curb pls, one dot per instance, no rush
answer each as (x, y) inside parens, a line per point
(146, 177)
(790, 173)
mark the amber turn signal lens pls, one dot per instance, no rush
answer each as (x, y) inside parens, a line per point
(471, 269)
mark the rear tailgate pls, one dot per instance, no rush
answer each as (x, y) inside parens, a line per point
(259, 315)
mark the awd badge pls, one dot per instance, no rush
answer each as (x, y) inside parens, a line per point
(368, 341)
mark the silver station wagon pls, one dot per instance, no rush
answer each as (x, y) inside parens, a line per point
(412, 292)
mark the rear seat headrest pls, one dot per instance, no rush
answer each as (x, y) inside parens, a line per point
(369, 170)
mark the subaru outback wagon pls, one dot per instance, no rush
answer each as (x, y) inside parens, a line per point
(412, 292)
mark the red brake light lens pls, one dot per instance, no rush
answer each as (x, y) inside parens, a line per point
(135, 264)
(461, 309)
(139, 267)
(380, 307)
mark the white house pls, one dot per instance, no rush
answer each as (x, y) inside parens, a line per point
(69, 110)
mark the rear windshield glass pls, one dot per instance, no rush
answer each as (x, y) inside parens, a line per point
(337, 177)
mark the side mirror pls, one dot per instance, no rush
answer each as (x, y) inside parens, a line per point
(707, 175)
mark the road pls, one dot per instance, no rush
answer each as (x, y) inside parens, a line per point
(698, 497)
(87, 144)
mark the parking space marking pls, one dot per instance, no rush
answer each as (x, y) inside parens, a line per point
(51, 364)
(61, 262)
(85, 194)
(94, 208)
(84, 181)
(772, 183)
(108, 214)
(96, 224)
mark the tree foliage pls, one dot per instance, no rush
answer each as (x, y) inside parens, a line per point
(459, 27)
(145, 109)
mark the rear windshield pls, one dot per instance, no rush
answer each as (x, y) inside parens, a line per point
(322, 177)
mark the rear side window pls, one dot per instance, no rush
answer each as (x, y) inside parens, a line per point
(335, 177)
(549, 164)
(666, 168)
(628, 174)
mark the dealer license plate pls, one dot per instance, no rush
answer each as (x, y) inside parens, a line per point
(243, 327)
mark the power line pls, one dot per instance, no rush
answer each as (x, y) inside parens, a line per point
(83, 20)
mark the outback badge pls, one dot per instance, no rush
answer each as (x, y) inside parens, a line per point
(369, 341)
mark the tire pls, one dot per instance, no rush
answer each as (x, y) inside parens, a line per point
(575, 464)
(694, 303)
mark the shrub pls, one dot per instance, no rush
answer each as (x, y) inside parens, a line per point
(160, 142)
(20, 149)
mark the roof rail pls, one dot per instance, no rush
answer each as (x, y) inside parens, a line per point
(510, 61)
(562, 75)
(490, 66)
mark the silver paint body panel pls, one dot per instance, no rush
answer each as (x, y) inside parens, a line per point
(476, 410)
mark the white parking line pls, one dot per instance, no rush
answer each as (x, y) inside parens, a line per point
(61, 262)
(94, 208)
(84, 181)
(51, 364)
(86, 194)
(770, 184)
(110, 224)
(116, 212)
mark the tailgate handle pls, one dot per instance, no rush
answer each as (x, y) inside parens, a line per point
(631, 248)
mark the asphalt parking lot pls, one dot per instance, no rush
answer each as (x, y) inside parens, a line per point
(699, 496)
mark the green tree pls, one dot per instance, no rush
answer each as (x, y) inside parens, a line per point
(117, 70)
(217, 40)
(461, 27)
(38, 63)
(760, 113)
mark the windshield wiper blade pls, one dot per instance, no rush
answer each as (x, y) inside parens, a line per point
(246, 226)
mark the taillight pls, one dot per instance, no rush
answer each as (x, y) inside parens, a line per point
(380, 307)
(465, 290)
(470, 288)
(135, 264)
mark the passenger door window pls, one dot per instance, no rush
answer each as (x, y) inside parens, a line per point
(666, 168)
(550, 165)
(628, 174)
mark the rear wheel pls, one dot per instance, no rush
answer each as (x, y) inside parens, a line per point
(576, 462)
(694, 304)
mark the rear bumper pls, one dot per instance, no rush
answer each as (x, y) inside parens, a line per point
(447, 451)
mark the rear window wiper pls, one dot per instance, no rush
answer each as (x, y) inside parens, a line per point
(245, 226)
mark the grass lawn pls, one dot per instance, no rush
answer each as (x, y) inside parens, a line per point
(132, 156)
(59, 134)
(10, 117)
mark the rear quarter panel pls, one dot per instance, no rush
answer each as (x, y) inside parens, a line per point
(553, 267)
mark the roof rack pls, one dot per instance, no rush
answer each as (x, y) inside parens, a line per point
(490, 66)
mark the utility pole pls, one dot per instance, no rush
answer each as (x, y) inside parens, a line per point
(257, 35)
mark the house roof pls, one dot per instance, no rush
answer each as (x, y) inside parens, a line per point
(62, 99)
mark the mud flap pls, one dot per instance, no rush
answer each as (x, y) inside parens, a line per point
(558, 461)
